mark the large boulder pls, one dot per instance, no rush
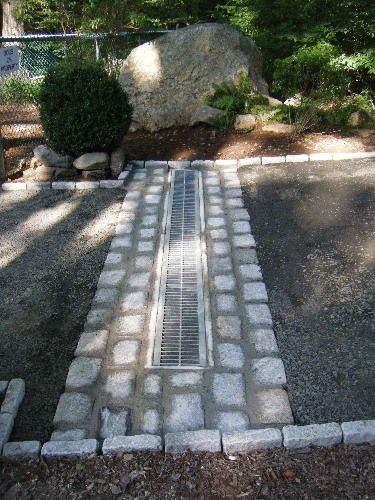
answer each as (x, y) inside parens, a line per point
(167, 79)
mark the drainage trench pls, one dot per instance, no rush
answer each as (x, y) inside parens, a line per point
(180, 333)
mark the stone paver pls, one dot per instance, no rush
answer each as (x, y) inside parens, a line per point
(251, 440)
(229, 389)
(185, 414)
(181, 442)
(124, 444)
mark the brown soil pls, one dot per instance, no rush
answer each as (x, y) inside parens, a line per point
(207, 143)
(334, 473)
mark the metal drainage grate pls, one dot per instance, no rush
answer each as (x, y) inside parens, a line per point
(180, 325)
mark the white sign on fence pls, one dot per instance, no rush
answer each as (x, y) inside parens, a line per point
(9, 59)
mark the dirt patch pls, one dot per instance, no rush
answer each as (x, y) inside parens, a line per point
(52, 248)
(207, 143)
(339, 472)
(314, 225)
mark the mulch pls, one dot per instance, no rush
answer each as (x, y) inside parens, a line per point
(320, 473)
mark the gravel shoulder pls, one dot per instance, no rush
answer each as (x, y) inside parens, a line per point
(334, 473)
(52, 248)
(314, 225)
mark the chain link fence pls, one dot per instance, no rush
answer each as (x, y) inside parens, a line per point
(20, 128)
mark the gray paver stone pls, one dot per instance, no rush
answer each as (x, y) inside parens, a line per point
(241, 227)
(121, 242)
(250, 272)
(239, 214)
(130, 325)
(221, 264)
(230, 356)
(83, 373)
(149, 220)
(13, 396)
(230, 421)
(247, 162)
(139, 280)
(358, 431)
(255, 292)
(83, 448)
(152, 199)
(306, 435)
(151, 209)
(234, 203)
(152, 385)
(259, 315)
(186, 379)
(130, 205)
(213, 190)
(125, 352)
(218, 234)
(133, 300)
(267, 160)
(215, 210)
(229, 327)
(246, 256)
(215, 222)
(111, 183)
(105, 296)
(233, 193)
(145, 246)
(99, 318)
(243, 241)
(69, 435)
(143, 262)
(272, 407)
(251, 440)
(263, 341)
(226, 302)
(124, 228)
(181, 442)
(119, 386)
(92, 343)
(6, 426)
(133, 195)
(229, 389)
(111, 278)
(21, 449)
(268, 371)
(114, 258)
(186, 413)
(151, 421)
(221, 248)
(87, 185)
(73, 408)
(225, 283)
(147, 233)
(113, 423)
(142, 442)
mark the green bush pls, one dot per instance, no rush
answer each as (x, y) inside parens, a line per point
(338, 111)
(18, 89)
(82, 108)
(237, 98)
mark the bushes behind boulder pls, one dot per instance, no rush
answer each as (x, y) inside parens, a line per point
(83, 108)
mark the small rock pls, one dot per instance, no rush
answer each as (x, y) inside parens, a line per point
(272, 101)
(206, 114)
(48, 158)
(364, 132)
(245, 122)
(277, 128)
(360, 118)
(117, 160)
(92, 161)
(43, 173)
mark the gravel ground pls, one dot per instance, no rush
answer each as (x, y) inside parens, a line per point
(52, 248)
(327, 473)
(315, 229)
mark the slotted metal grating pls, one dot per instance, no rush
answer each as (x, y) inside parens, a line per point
(180, 325)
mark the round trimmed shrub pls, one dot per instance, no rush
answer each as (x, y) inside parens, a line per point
(82, 108)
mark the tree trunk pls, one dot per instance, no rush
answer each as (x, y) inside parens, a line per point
(11, 26)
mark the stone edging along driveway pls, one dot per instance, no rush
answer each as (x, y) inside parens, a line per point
(241, 441)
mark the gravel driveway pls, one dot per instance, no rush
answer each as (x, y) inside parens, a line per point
(52, 248)
(314, 224)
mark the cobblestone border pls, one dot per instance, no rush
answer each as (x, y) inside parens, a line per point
(213, 441)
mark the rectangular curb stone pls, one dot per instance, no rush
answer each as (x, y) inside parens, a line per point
(248, 441)
(205, 440)
(358, 431)
(14, 396)
(6, 426)
(14, 186)
(142, 442)
(64, 185)
(268, 160)
(296, 158)
(38, 186)
(317, 434)
(111, 184)
(87, 185)
(82, 448)
(320, 156)
(247, 162)
(69, 435)
(21, 449)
